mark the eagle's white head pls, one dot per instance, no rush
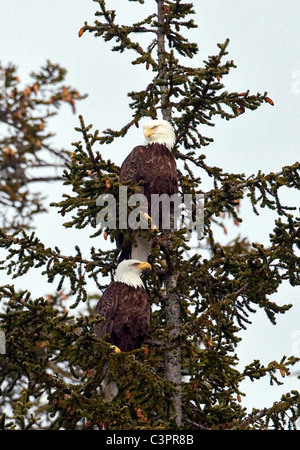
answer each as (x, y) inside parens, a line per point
(160, 132)
(129, 272)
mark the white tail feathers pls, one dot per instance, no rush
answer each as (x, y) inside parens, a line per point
(108, 386)
(141, 249)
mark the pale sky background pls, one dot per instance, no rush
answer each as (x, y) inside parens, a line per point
(264, 44)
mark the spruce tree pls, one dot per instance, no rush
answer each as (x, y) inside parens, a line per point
(186, 375)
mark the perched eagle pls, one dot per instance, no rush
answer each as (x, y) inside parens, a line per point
(155, 165)
(126, 309)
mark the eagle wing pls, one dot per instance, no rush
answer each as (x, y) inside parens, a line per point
(107, 307)
(132, 167)
(126, 312)
(155, 165)
(133, 321)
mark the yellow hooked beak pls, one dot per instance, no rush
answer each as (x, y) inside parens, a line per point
(148, 132)
(144, 265)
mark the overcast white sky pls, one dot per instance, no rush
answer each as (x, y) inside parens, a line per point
(265, 45)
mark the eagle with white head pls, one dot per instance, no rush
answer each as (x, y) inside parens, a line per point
(125, 307)
(126, 311)
(154, 164)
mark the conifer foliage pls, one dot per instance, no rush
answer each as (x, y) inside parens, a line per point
(51, 371)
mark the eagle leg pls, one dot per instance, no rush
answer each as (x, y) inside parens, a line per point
(115, 349)
(151, 220)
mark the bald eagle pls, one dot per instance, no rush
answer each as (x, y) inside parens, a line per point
(155, 165)
(126, 309)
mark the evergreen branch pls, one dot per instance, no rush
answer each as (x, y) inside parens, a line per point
(187, 376)
(267, 185)
(289, 402)
(89, 142)
(30, 252)
(287, 172)
(160, 343)
(31, 243)
(25, 148)
(112, 30)
(44, 179)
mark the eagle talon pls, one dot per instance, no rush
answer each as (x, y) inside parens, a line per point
(115, 349)
(151, 220)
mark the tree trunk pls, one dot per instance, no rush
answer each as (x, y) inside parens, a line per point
(172, 363)
(166, 108)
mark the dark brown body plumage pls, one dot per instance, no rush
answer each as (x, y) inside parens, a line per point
(127, 313)
(155, 165)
